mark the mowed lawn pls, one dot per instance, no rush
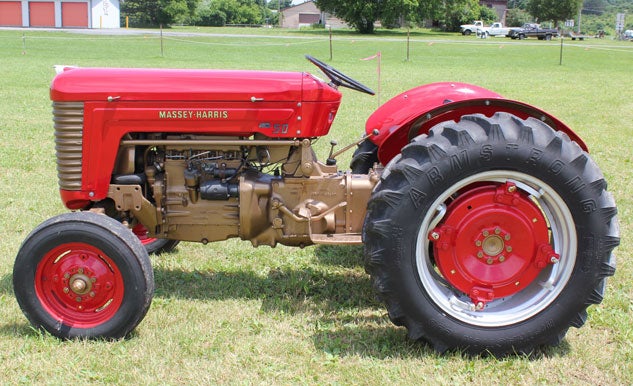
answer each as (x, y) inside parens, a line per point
(227, 313)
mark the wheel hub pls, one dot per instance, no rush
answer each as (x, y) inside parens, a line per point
(492, 242)
(80, 284)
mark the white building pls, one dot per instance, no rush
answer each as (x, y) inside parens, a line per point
(60, 13)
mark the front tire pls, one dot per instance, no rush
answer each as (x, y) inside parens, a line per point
(490, 235)
(83, 275)
(153, 245)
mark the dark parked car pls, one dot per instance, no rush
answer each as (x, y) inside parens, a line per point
(532, 30)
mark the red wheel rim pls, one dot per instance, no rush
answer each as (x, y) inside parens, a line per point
(79, 285)
(141, 232)
(493, 242)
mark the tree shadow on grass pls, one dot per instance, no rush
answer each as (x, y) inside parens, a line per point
(335, 295)
(288, 290)
(389, 341)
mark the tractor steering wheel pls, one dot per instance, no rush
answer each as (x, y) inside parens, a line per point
(338, 78)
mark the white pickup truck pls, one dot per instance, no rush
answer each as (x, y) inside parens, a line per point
(468, 29)
(497, 29)
(478, 28)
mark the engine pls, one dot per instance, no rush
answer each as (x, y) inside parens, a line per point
(209, 188)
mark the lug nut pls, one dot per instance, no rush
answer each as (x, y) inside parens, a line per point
(435, 236)
(554, 260)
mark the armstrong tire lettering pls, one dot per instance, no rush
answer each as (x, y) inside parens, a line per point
(410, 215)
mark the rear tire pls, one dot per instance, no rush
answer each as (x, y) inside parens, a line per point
(490, 235)
(364, 158)
(83, 275)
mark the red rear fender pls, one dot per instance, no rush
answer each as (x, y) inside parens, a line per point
(414, 112)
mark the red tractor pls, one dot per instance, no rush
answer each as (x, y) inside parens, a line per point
(486, 225)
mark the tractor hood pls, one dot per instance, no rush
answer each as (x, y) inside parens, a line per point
(136, 84)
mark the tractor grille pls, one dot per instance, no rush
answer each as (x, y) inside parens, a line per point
(69, 122)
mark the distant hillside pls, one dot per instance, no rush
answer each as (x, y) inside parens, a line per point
(601, 14)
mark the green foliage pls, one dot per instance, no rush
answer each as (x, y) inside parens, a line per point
(556, 11)
(594, 7)
(516, 17)
(212, 17)
(597, 15)
(150, 13)
(279, 4)
(359, 14)
(521, 4)
(596, 18)
(222, 12)
(362, 15)
(461, 12)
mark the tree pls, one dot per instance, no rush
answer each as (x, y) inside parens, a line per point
(359, 14)
(157, 12)
(279, 4)
(594, 7)
(555, 11)
(516, 17)
(221, 12)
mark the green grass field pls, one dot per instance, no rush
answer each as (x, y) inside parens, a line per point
(231, 314)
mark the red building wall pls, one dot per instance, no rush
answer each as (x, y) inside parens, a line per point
(11, 13)
(42, 14)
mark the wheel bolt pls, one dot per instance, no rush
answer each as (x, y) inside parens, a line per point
(66, 290)
(435, 236)
(512, 189)
(480, 254)
(502, 258)
(490, 261)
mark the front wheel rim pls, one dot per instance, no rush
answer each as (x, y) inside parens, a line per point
(531, 300)
(79, 285)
